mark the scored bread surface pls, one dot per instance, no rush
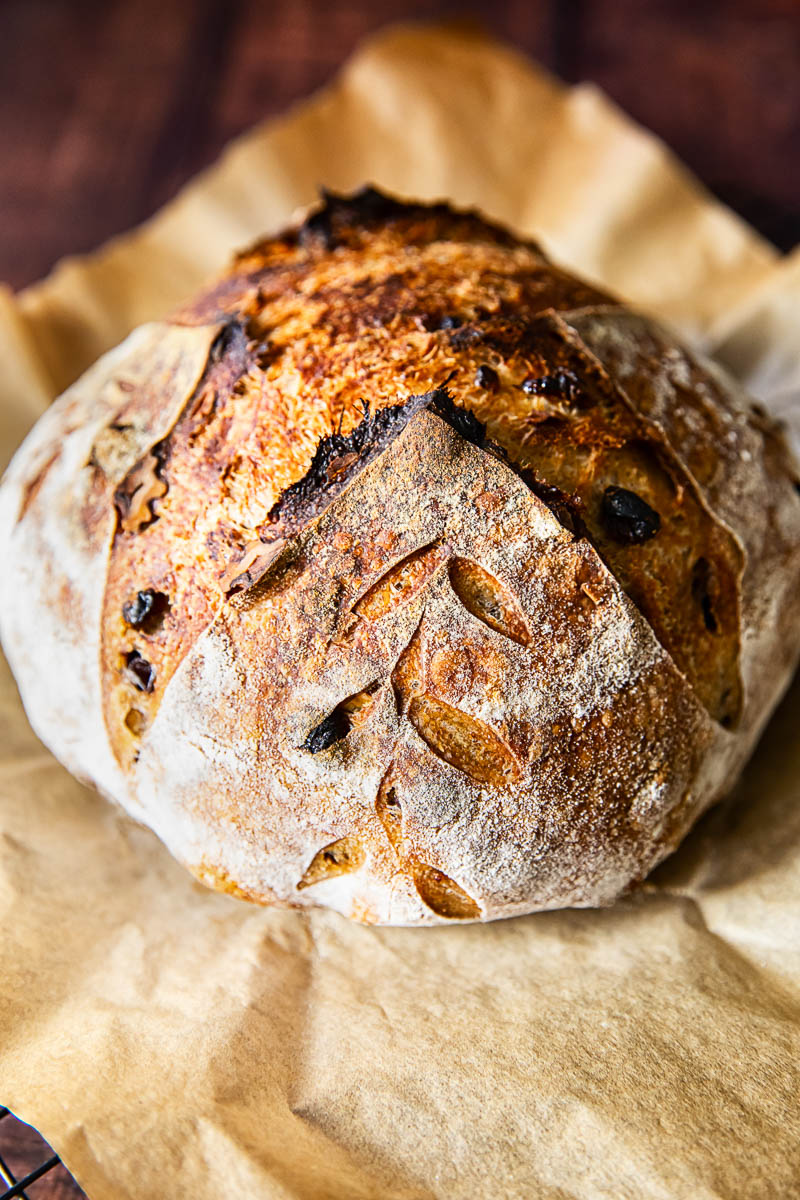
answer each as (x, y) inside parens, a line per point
(404, 573)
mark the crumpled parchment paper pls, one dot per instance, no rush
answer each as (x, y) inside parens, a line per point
(170, 1041)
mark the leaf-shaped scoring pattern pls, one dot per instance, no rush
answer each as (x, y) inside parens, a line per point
(459, 739)
(438, 891)
(350, 712)
(401, 583)
(463, 741)
(408, 676)
(390, 813)
(442, 894)
(487, 599)
(339, 858)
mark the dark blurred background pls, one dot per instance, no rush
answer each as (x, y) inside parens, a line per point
(108, 106)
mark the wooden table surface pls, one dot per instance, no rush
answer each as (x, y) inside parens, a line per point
(108, 106)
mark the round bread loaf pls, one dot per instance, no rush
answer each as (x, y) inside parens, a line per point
(404, 573)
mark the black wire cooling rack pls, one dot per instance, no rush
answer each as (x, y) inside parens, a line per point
(34, 1161)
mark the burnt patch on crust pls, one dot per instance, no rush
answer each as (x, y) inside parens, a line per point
(340, 217)
(339, 457)
(325, 477)
(338, 212)
(465, 423)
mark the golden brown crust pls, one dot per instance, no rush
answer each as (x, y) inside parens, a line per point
(437, 593)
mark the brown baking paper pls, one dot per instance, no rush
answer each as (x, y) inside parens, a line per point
(171, 1041)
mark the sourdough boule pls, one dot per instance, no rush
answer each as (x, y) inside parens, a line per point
(405, 574)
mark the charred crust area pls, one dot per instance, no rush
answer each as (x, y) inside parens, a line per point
(341, 218)
(337, 213)
(338, 457)
(461, 419)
